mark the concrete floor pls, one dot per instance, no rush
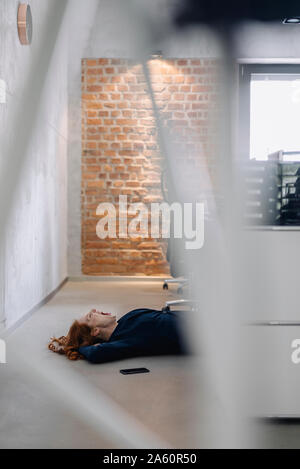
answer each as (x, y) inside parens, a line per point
(168, 401)
(32, 417)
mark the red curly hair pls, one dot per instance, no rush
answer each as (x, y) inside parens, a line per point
(79, 335)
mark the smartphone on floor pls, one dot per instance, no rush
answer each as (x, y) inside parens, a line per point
(132, 371)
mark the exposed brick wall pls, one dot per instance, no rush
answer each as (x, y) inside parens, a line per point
(120, 152)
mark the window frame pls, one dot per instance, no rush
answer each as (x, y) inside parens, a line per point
(245, 72)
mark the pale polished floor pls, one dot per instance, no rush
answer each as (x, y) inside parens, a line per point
(34, 417)
(173, 402)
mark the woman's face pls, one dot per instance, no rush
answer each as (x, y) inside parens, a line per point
(98, 319)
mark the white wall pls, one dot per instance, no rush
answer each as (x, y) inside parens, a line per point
(269, 281)
(33, 175)
(272, 258)
(268, 41)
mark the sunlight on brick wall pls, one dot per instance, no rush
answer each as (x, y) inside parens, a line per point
(120, 152)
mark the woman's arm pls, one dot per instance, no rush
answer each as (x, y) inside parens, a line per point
(107, 352)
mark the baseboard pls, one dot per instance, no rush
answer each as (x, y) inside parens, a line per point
(7, 331)
(117, 278)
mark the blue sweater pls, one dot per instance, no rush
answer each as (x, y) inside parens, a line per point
(138, 333)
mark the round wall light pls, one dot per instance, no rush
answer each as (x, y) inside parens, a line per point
(24, 24)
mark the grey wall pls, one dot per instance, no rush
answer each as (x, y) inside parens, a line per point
(38, 140)
(271, 272)
(33, 155)
(268, 41)
(41, 146)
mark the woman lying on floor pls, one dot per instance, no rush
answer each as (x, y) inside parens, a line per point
(99, 337)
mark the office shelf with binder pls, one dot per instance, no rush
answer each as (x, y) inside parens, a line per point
(272, 193)
(290, 194)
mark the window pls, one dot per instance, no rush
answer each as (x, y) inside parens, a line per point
(269, 142)
(270, 112)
